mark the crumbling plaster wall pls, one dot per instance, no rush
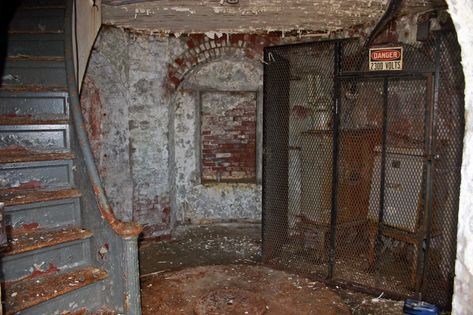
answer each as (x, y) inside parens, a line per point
(141, 101)
(131, 150)
(462, 14)
(202, 203)
(104, 100)
(148, 120)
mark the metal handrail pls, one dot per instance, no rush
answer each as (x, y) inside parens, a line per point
(124, 229)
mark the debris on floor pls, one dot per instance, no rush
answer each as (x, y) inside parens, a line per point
(217, 244)
(274, 292)
(198, 260)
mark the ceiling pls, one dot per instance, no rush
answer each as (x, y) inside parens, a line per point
(201, 16)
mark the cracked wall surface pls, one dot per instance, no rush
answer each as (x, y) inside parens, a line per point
(202, 203)
(104, 101)
(144, 126)
(177, 193)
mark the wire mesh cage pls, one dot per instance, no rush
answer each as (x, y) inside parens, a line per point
(361, 169)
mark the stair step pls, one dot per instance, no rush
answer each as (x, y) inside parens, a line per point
(17, 155)
(28, 120)
(44, 137)
(84, 311)
(56, 258)
(26, 4)
(24, 294)
(33, 32)
(28, 88)
(51, 214)
(21, 198)
(37, 239)
(55, 174)
(36, 44)
(34, 58)
(34, 72)
(42, 105)
(38, 19)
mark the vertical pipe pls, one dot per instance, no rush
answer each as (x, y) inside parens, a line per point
(335, 157)
(131, 276)
(383, 178)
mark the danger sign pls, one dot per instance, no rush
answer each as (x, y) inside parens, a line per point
(386, 59)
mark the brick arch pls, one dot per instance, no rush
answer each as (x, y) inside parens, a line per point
(202, 49)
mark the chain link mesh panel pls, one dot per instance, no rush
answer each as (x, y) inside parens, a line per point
(447, 144)
(360, 132)
(297, 171)
(361, 170)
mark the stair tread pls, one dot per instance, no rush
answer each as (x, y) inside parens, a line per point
(45, 7)
(84, 311)
(34, 58)
(33, 63)
(17, 155)
(19, 198)
(26, 120)
(37, 239)
(35, 32)
(31, 88)
(26, 293)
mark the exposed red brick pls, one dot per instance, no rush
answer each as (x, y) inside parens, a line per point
(198, 37)
(190, 44)
(235, 38)
(175, 80)
(229, 143)
(92, 108)
(166, 218)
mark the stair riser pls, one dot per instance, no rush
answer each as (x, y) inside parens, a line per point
(45, 20)
(44, 73)
(63, 256)
(36, 3)
(36, 137)
(48, 106)
(36, 175)
(50, 214)
(88, 297)
(39, 45)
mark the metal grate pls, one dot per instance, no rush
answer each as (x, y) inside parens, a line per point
(361, 169)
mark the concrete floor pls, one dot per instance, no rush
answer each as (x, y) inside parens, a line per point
(176, 273)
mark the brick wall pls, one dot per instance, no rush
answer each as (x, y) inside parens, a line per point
(228, 136)
(202, 49)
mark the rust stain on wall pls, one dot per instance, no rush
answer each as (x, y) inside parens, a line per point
(91, 108)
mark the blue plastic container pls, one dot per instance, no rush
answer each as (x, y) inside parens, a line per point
(413, 307)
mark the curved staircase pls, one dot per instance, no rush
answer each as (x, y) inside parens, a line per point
(66, 252)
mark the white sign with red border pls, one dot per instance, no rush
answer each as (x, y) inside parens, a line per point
(386, 59)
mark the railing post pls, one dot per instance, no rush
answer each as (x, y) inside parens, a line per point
(132, 276)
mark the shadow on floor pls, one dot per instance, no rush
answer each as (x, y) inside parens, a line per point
(202, 245)
(176, 274)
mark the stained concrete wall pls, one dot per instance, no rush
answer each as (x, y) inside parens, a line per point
(104, 100)
(109, 76)
(462, 14)
(144, 125)
(201, 203)
(124, 98)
